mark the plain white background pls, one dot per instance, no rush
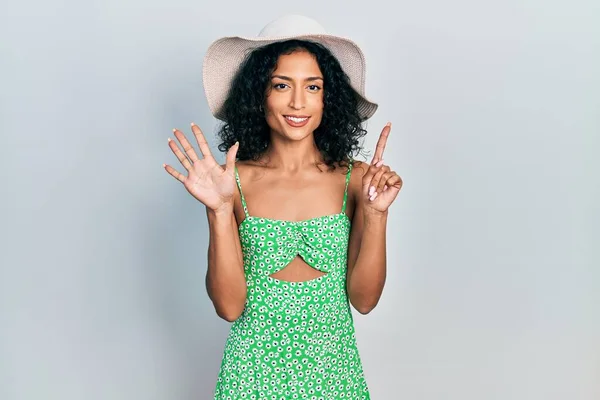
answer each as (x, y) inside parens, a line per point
(493, 285)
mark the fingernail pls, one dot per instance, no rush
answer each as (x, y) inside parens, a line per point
(379, 163)
(236, 143)
(174, 130)
(192, 124)
(388, 124)
(385, 188)
(371, 191)
(168, 139)
(373, 197)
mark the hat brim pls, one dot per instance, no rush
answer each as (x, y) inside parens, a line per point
(224, 57)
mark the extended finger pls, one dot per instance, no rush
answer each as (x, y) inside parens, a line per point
(187, 147)
(381, 143)
(202, 143)
(372, 169)
(179, 154)
(174, 173)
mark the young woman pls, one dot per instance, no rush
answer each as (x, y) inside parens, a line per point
(297, 227)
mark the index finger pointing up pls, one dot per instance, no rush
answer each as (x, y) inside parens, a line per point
(381, 143)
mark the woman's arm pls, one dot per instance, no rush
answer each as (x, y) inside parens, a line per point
(374, 189)
(215, 187)
(225, 279)
(366, 250)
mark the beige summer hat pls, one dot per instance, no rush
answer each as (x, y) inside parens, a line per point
(224, 57)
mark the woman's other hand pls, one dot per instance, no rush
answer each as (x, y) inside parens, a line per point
(381, 185)
(206, 180)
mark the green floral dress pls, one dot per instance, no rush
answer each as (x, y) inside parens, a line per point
(294, 340)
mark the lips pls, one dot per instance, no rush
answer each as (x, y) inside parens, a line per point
(296, 121)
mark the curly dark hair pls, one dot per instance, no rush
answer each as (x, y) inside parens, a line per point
(338, 134)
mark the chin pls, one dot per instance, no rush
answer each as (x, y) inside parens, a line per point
(296, 133)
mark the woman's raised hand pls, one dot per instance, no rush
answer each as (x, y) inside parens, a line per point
(206, 180)
(381, 185)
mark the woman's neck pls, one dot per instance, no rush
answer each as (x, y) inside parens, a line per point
(292, 155)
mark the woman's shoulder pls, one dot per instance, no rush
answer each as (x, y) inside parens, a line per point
(359, 168)
(249, 168)
(244, 166)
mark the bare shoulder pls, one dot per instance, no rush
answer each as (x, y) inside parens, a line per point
(248, 170)
(243, 167)
(238, 208)
(359, 169)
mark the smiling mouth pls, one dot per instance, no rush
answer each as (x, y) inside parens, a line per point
(297, 120)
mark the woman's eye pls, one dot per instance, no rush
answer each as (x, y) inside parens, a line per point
(280, 86)
(314, 87)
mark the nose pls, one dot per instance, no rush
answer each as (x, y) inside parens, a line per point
(297, 101)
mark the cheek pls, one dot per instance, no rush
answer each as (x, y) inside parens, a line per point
(317, 104)
(274, 103)
(271, 113)
(318, 108)
(268, 108)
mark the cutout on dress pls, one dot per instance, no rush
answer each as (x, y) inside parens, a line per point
(297, 270)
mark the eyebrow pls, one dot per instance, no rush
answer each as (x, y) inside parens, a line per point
(287, 78)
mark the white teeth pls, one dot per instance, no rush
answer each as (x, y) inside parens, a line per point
(296, 120)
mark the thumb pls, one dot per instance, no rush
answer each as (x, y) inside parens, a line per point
(231, 156)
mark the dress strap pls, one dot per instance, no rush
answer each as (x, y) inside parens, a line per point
(346, 188)
(239, 185)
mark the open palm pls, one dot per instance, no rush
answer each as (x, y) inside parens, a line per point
(206, 180)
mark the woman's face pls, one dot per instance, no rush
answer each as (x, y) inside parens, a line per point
(294, 103)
